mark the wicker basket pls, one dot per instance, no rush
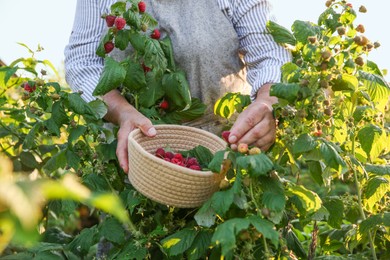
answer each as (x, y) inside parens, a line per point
(165, 182)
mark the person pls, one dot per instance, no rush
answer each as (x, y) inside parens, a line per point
(222, 46)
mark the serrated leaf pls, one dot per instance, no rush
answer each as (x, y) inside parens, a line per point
(179, 242)
(256, 165)
(154, 56)
(122, 39)
(374, 221)
(195, 111)
(149, 20)
(378, 88)
(52, 127)
(303, 29)
(112, 230)
(222, 200)
(205, 216)
(153, 91)
(335, 207)
(135, 76)
(225, 233)
(378, 169)
(332, 157)
(200, 245)
(112, 77)
(230, 103)
(291, 73)
(118, 8)
(304, 143)
(110, 203)
(28, 159)
(280, 34)
(266, 228)
(29, 140)
(310, 200)
(99, 108)
(138, 41)
(78, 105)
(376, 189)
(372, 140)
(73, 160)
(166, 45)
(287, 91)
(274, 197)
(294, 244)
(177, 90)
(330, 19)
(131, 251)
(132, 19)
(58, 113)
(346, 82)
(316, 170)
(81, 244)
(55, 162)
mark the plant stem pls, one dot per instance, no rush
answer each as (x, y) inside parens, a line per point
(359, 194)
(266, 250)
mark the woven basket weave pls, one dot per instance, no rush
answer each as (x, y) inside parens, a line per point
(165, 182)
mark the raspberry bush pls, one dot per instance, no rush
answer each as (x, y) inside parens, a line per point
(321, 191)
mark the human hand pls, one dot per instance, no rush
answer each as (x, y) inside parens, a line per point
(121, 113)
(256, 124)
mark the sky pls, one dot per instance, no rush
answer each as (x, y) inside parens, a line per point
(49, 23)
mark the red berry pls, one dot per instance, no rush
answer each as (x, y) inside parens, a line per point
(110, 20)
(167, 159)
(349, 5)
(169, 155)
(225, 135)
(141, 7)
(318, 133)
(195, 167)
(120, 23)
(192, 161)
(178, 156)
(145, 68)
(164, 105)
(108, 46)
(156, 34)
(160, 152)
(29, 88)
(177, 161)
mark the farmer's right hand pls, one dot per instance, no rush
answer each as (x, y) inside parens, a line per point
(121, 113)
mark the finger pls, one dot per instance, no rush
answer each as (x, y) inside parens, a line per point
(122, 149)
(146, 126)
(248, 119)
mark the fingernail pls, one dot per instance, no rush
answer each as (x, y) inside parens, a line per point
(232, 139)
(152, 131)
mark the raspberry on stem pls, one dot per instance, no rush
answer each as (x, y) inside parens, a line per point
(120, 23)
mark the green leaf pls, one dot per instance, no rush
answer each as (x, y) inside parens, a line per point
(378, 169)
(122, 39)
(112, 230)
(331, 156)
(112, 77)
(294, 244)
(179, 242)
(149, 20)
(304, 143)
(110, 203)
(166, 45)
(154, 56)
(177, 90)
(100, 51)
(280, 34)
(195, 111)
(107, 152)
(200, 245)
(52, 127)
(135, 76)
(291, 73)
(287, 91)
(58, 114)
(256, 165)
(76, 132)
(29, 140)
(345, 82)
(216, 162)
(153, 91)
(28, 159)
(81, 244)
(335, 207)
(274, 197)
(225, 233)
(376, 189)
(55, 162)
(372, 140)
(378, 88)
(310, 201)
(222, 200)
(132, 251)
(302, 30)
(138, 41)
(316, 171)
(132, 19)
(374, 222)
(78, 105)
(230, 103)
(330, 19)
(118, 8)
(9, 72)
(99, 108)
(206, 215)
(266, 228)
(73, 159)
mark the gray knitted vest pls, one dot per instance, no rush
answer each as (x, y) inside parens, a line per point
(205, 46)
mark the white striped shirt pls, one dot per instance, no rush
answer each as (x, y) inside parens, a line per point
(262, 56)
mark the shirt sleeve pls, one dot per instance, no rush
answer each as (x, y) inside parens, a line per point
(82, 66)
(262, 55)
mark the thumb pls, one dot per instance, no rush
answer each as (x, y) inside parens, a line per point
(146, 127)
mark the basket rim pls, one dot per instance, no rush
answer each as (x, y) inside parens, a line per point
(186, 170)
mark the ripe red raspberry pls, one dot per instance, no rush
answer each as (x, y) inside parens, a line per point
(169, 155)
(27, 87)
(195, 167)
(160, 152)
(164, 105)
(349, 5)
(167, 159)
(110, 20)
(317, 133)
(108, 46)
(177, 161)
(146, 68)
(141, 7)
(156, 34)
(120, 23)
(225, 135)
(192, 161)
(178, 156)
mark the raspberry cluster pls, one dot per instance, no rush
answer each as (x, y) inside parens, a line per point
(177, 158)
